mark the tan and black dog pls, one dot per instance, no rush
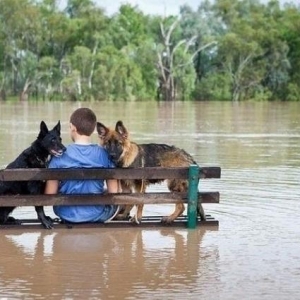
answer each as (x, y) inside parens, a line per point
(125, 153)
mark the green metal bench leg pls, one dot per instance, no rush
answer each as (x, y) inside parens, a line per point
(192, 196)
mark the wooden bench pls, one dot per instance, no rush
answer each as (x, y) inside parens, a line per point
(193, 174)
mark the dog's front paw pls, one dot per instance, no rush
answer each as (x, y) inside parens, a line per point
(136, 220)
(47, 222)
(123, 217)
(167, 220)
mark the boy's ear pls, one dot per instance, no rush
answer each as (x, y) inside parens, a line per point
(72, 127)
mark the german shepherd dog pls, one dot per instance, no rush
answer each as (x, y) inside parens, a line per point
(125, 153)
(36, 156)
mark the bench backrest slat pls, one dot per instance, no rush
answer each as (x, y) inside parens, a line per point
(117, 173)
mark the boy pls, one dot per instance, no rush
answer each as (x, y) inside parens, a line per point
(83, 154)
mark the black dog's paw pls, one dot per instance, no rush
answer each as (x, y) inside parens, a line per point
(12, 221)
(49, 219)
(47, 222)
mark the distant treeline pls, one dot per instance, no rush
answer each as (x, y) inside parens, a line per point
(225, 50)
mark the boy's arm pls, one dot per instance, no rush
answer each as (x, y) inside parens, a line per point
(51, 187)
(113, 186)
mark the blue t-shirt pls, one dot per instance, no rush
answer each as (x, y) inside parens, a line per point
(82, 156)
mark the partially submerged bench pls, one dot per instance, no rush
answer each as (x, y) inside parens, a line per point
(193, 174)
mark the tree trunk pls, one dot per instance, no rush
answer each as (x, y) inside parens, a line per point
(2, 95)
(24, 93)
(90, 79)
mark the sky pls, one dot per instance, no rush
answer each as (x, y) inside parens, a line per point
(161, 7)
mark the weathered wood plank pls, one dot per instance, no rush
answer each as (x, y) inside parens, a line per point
(147, 222)
(100, 173)
(135, 198)
(210, 172)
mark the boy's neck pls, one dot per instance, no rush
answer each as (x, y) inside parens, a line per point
(82, 140)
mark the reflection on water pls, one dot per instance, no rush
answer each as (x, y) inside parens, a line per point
(125, 264)
(254, 254)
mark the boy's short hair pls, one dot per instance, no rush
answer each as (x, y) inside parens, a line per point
(85, 120)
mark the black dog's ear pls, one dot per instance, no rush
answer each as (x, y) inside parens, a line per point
(57, 127)
(102, 130)
(120, 128)
(43, 128)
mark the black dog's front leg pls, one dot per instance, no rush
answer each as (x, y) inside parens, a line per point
(45, 220)
(37, 188)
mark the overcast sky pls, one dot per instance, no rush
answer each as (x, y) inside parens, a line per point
(161, 7)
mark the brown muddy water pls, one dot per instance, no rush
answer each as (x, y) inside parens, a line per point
(253, 254)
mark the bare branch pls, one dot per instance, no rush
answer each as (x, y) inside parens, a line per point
(173, 51)
(161, 66)
(190, 42)
(162, 30)
(171, 29)
(202, 48)
(194, 54)
(244, 62)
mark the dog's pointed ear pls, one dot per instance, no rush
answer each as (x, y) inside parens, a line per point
(57, 127)
(43, 128)
(102, 130)
(120, 128)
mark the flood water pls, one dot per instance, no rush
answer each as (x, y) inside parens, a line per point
(253, 254)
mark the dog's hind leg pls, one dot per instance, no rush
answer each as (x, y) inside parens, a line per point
(175, 185)
(179, 209)
(200, 212)
(5, 218)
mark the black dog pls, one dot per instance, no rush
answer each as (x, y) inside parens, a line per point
(36, 156)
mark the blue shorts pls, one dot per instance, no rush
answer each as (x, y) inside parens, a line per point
(85, 213)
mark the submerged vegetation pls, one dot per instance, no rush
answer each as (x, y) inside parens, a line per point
(225, 50)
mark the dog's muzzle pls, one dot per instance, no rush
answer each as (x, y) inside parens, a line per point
(57, 153)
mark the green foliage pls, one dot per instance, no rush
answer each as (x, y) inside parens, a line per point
(293, 92)
(214, 86)
(225, 50)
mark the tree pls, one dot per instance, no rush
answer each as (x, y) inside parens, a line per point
(251, 52)
(289, 34)
(175, 63)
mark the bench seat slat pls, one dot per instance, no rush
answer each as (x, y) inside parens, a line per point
(147, 222)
